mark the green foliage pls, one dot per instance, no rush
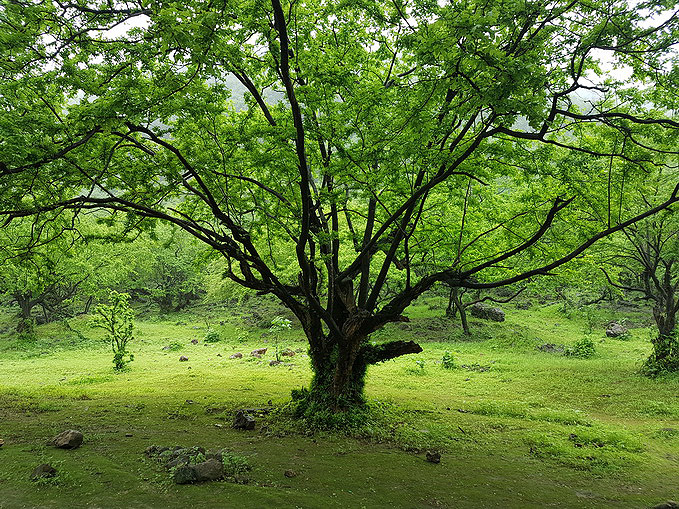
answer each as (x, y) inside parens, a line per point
(278, 325)
(117, 319)
(212, 336)
(235, 465)
(665, 356)
(448, 360)
(584, 348)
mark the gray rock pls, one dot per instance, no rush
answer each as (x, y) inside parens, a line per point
(551, 348)
(258, 352)
(69, 439)
(433, 457)
(274, 363)
(290, 474)
(194, 341)
(43, 471)
(185, 474)
(670, 504)
(183, 358)
(615, 330)
(480, 310)
(237, 355)
(210, 470)
(243, 421)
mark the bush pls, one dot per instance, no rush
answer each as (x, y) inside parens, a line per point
(583, 348)
(117, 319)
(448, 360)
(211, 336)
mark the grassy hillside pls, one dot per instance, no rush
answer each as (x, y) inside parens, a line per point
(516, 426)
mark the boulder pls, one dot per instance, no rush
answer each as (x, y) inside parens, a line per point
(183, 358)
(290, 474)
(258, 352)
(69, 439)
(274, 363)
(43, 471)
(210, 470)
(433, 457)
(615, 330)
(288, 353)
(243, 421)
(480, 310)
(670, 504)
(237, 355)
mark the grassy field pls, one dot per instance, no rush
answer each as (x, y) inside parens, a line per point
(516, 426)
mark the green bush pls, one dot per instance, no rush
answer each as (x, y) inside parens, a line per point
(211, 336)
(117, 319)
(584, 348)
(448, 360)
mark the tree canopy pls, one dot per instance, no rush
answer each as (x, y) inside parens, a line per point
(326, 149)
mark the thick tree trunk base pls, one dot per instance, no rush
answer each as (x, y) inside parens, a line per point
(665, 356)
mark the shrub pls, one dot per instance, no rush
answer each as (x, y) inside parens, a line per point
(583, 348)
(117, 319)
(211, 336)
(448, 360)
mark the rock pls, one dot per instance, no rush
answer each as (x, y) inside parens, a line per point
(152, 450)
(237, 355)
(210, 470)
(43, 471)
(243, 421)
(433, 457)
(480, 310)
(167, 348)
(290, 474)
(69, 439)
(274, 363)
(185, 474)
(258, 352)
(128, 435)
(615, 330)
(288, 353)
(183, 358)
(670, 504)
(2, 442)
(219, 355)
(551, 348)
(194, 341)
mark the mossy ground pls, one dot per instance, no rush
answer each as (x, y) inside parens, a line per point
(516, 427)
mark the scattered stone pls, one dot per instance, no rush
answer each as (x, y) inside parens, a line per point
(615, 330)
(194, 341)
(290, 474)
(484, 312)
(210, 470)
(258, 352)
(243, 421)
(219, 355)
(128, 435)
(288, 353)
(43, 471)
(274, 363)
(167, 348)
(670, 504)
(237, 355)
(524, 305)
(551, 348)
(2, 442)
(185, 474)
(433, 457)
(183, 358)
(69, 439)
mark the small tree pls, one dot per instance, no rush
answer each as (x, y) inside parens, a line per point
(117, 319)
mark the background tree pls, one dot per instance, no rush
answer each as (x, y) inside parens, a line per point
(363, 126)
(646, 259)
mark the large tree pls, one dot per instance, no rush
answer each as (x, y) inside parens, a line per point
(357, 133)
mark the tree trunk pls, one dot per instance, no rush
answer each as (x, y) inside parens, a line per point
(26, 306)
(666, 345)
(339, 372)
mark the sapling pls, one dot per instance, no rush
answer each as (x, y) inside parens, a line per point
(117, 319)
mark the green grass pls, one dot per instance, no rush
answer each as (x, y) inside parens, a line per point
(516, 427)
